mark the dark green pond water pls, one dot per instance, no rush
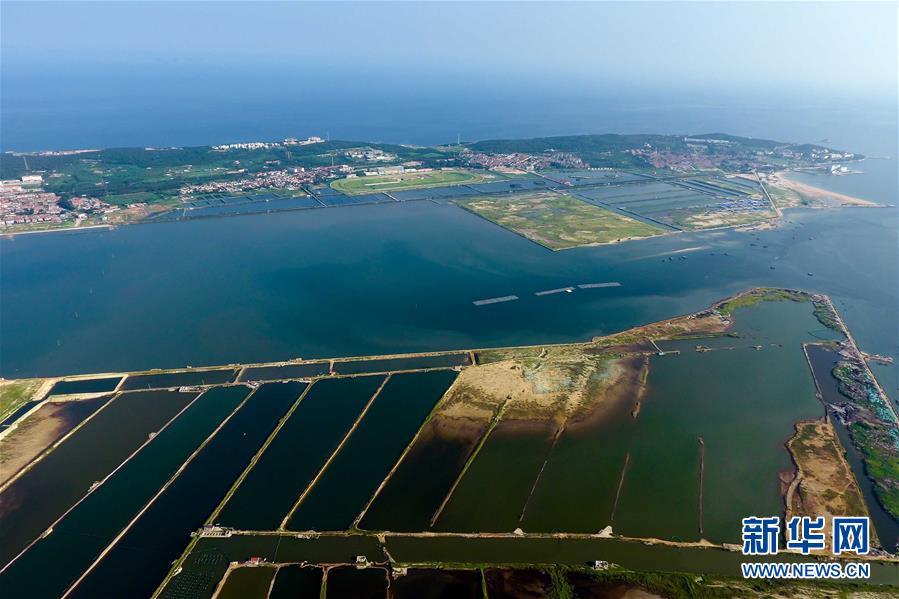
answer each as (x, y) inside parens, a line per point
(85, 531)
(415, 490)
(85, 386)
(579, 552)
(371, 451)
(492, 493)
(296, 582)
(739, 401)
(43, 493)
(247, 583)
(297, 453)
(437, 584)
(139, 561)
(742, 403)
(350, 583)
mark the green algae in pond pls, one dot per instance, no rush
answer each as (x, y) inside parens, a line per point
(493, 491)
(587, 463)
(415, 491)
(742, 403)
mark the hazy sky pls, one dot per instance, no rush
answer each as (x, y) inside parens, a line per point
(846, 48)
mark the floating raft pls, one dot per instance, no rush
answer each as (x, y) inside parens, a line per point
(495, 300)
(598, 285)
(551, 291)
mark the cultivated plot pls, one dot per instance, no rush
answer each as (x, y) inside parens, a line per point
(558, 221)
(407, 180)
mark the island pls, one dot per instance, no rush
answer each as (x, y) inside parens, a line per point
(560, 192)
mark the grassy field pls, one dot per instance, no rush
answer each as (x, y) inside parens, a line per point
(558, 221)
(360, 185)
(15, 393)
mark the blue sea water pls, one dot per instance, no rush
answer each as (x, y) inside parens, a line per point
(372, 279)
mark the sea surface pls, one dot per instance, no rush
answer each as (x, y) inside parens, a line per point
(399, 277)
(402, 277)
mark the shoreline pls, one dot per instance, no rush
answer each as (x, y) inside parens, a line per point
(782, 179)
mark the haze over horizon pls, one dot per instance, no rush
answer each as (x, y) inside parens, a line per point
(82, 74)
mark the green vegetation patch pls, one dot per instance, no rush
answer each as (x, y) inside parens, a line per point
(15, 393)
(403, 181)
(762, 294)
(881, 464)
(558, 221)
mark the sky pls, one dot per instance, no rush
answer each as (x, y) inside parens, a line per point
(102, 74)
(831, 46)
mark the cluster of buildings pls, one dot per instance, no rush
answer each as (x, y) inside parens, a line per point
(293, 178)
(396, 169)
(24, 202)
(369, 155)
(744, 204)
(680, 161)
(265, 145)
(524, 162)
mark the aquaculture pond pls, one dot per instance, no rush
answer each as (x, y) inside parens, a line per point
(586, 462)
(43, 493)
(285, 371)
(247, 583)
(354, 475)
(139, 561)
(437, 584)
(100, 385)
(494, 490)
(416, 489)
(209, 559)
(713, 427)
(179, 379)
(298, 452)
(351, 583)
(41, 429)
(84, 532)
(708, 436)
(296, 581)
(401, 363)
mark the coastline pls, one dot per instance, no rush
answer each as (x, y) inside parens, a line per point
(782, 179)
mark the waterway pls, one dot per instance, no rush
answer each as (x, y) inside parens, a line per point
(400, 277)
(823, 360)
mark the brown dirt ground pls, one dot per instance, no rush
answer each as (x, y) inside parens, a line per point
(825, 484)
(32, 437)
